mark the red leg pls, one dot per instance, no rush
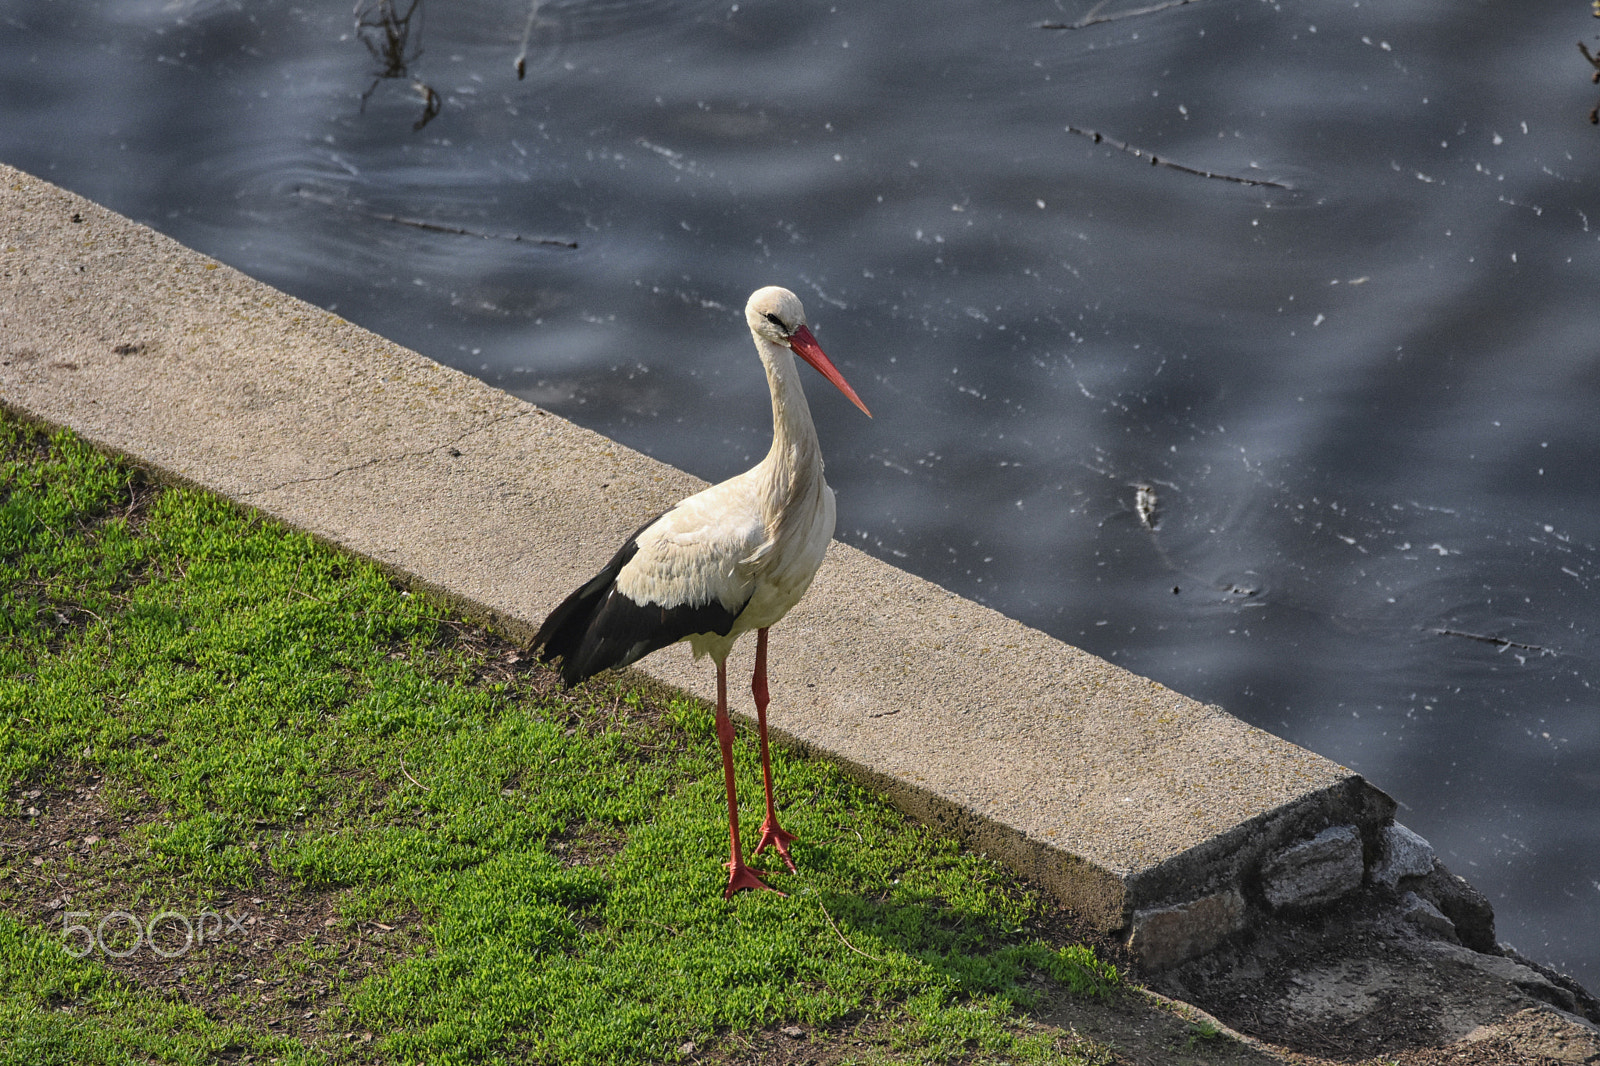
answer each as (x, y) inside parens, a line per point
(771, 832)
(739, 875)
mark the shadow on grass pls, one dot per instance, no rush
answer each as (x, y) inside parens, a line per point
(971, 958)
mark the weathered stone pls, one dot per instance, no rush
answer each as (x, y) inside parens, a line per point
(1404, 854)
(1464, 905)
(1315, 872)
(1166, 936)
(1424, 915)
(1513, 970)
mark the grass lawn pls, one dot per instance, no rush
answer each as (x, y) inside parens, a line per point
(262, 804)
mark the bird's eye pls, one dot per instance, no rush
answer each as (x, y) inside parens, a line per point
(776, 321)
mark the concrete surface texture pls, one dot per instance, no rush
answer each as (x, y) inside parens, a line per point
(1116, 793)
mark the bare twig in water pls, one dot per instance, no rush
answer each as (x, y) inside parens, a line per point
(1094, 18)
(430, 103)
(527, 32)
(387, 34)
(436, 227)
(1594, 61)
(1156, 160)
(1500, 642)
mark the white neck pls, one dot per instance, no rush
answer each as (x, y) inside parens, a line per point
(791, 417)
(793, 466)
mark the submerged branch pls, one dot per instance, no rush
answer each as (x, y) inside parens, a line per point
(1500, 642)
(1594, 61)
(436, 227)
(1094, 18)
(430, 104)
(387, 34)
(1155, 160)
(521, 62)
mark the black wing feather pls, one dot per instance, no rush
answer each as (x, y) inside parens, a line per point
(598, 628)
(563, 628)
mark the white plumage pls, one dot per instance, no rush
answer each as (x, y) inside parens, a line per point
(731, 559)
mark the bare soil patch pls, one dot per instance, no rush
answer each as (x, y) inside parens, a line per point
(272, 955)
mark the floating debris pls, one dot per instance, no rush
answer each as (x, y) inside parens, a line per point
(387, 34)
(1157, 161)
(521, 62)
(433, 227)
(1094, 18)
(1146, 506)
(1500, 642)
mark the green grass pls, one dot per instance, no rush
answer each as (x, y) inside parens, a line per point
(237, 711)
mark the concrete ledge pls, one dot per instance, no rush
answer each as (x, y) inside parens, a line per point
(1122, 797)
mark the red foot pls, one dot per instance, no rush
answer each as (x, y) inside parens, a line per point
(741, 876)
(772, 833)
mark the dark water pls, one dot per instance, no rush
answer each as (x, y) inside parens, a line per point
(1362, 399)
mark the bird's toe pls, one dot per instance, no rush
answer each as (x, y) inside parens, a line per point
(741, 877)
(778, 839)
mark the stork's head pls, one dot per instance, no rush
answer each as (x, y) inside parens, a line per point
(777, 317)
(774, 313)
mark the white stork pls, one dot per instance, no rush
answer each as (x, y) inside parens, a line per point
(727, 560)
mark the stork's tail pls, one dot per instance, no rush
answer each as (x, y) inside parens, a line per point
(563, 633)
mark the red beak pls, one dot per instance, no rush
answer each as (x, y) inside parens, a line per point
(806, 347)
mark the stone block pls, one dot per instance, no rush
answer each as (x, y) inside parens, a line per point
(1315, 872)
(1403, 854)
(1464, 905)
(1166, 936)
(1424, 915)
